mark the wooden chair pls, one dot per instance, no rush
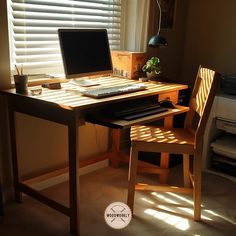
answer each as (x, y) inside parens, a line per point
(187, 141)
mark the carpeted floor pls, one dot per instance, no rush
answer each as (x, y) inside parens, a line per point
(152, 210)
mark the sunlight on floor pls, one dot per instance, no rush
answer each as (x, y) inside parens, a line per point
(160, 196)
(169, 207)
(146, 200)
(220, 216)
(176, 221)
(180, 198)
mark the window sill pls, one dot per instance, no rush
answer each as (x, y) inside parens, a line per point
(37, 82)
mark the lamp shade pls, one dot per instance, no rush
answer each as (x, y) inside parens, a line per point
(157, 41)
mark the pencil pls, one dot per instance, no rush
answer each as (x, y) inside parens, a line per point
(17, 70)
(21, 69)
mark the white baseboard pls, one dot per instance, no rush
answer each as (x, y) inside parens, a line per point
(9, 192)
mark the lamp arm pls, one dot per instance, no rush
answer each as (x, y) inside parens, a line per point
(159, 23)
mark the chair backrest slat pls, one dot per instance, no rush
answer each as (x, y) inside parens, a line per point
(202, 98)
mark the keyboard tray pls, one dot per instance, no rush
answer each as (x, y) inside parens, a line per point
(116, 123)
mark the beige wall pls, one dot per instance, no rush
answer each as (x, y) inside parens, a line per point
(172, 55)
(43, 145)
(210, 37)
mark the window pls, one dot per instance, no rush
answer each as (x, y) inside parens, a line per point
(33, 28)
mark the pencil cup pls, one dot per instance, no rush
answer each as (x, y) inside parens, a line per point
(21, 83)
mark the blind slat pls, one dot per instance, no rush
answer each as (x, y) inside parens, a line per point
(29, 23)
(34, 25)
(51, 15)
(63, 9)
(67, 2)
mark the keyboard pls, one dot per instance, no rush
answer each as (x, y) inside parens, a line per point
(137, 109)
(125, 111)
(140, 112)
(103, 92)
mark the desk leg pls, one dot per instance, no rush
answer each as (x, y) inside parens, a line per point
(16, 176)
(164, 161)
(73, 174)
(115, 148)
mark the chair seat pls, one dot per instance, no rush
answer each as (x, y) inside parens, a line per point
(181, 139)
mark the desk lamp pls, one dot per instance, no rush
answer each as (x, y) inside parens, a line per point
(158, 40)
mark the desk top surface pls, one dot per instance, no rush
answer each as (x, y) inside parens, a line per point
(67, 99)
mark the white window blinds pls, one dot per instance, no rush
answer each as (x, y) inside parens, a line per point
(33, 26)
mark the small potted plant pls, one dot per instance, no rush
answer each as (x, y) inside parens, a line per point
(152, 68)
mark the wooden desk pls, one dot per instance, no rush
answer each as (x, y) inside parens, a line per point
(71, 110)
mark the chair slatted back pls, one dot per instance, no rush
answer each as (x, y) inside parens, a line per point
(201, 100)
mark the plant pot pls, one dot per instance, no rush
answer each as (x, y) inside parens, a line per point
(152, 75)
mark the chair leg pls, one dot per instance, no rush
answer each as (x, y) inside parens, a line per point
(132, 176)
(186, 173)
(197, 173)
(164, 164)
